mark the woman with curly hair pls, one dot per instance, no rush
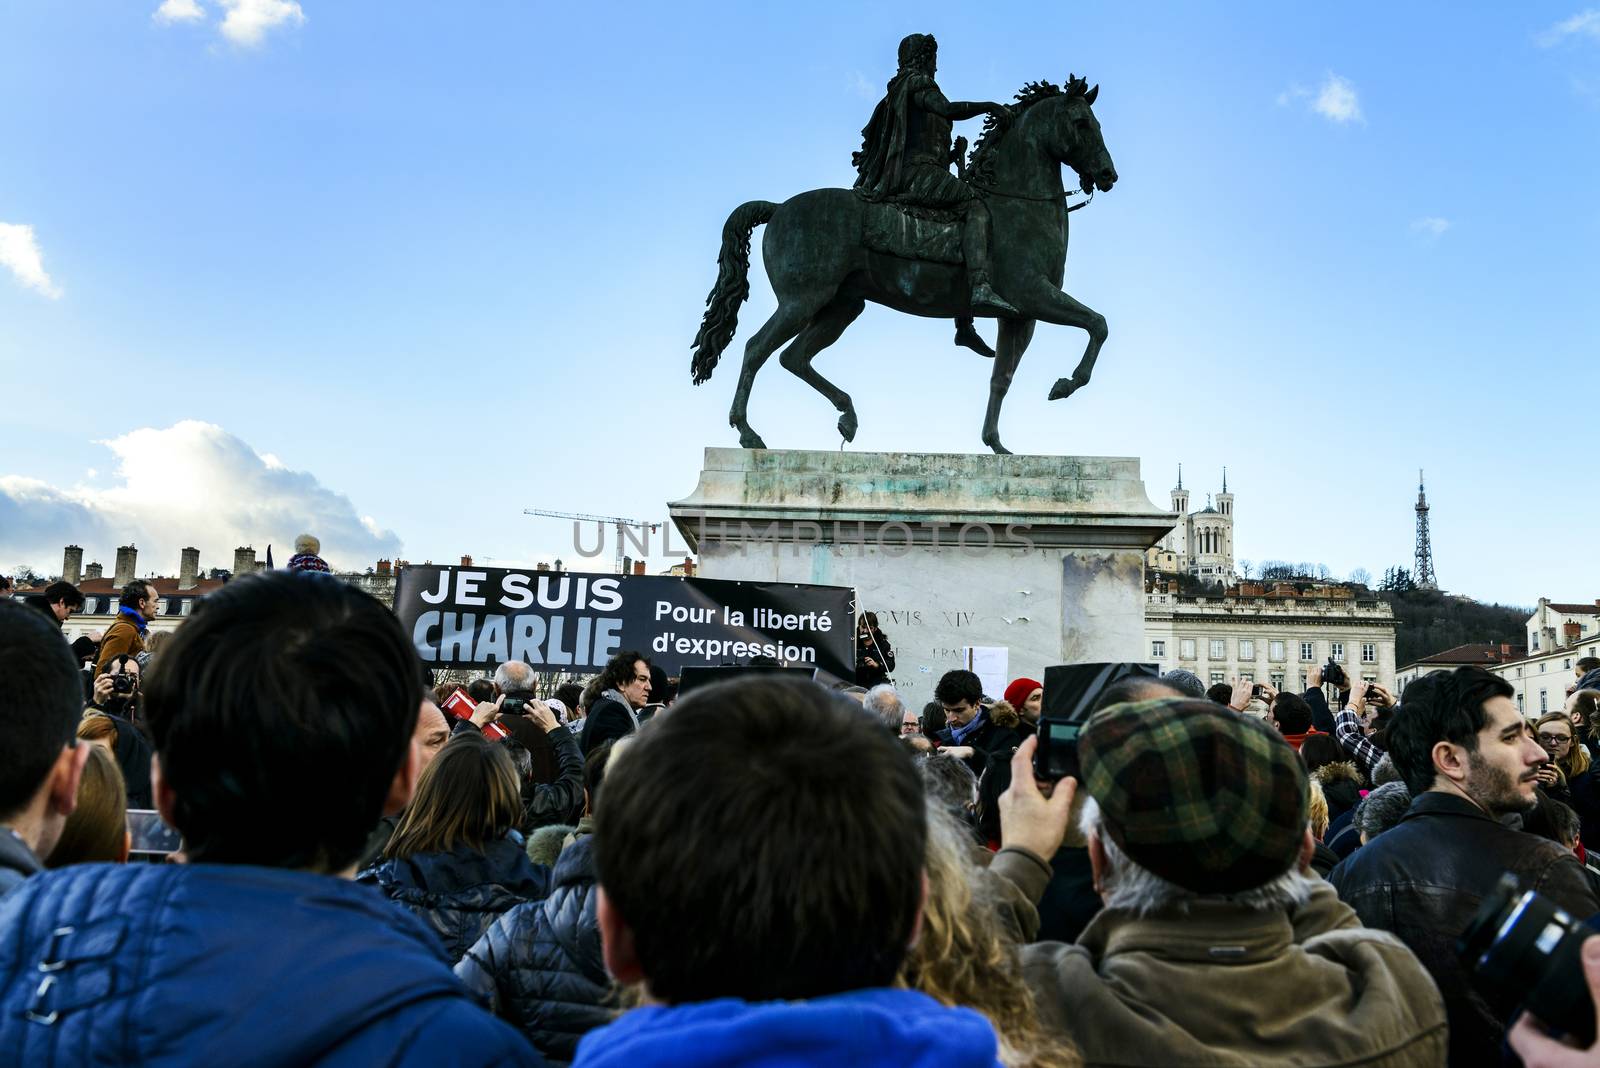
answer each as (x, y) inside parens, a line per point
(963, 956)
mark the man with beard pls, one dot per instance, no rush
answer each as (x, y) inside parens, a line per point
(1470, 762)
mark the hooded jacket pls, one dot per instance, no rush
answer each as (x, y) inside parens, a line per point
(861, 1029)
(540, 966)
(190, 964)
(460, 893)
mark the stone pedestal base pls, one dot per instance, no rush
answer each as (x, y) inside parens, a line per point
(1042, 555)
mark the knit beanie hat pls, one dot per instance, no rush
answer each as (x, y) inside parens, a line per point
(1017, 693)
(1205, 798)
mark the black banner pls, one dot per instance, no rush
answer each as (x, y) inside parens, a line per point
(465, 617)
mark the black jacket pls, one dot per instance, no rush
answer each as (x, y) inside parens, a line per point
(989, 742)
(540, 967)
(545, 803)
(1321, 717)
(1423, 880)
(878, 648)
(607, 721)
(462, 892)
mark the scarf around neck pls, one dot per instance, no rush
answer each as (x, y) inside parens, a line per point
(959, 735)
(616, 695)
(133, 614)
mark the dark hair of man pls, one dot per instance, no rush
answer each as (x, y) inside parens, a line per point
(468, 797)
(41, 700)
(1442, 707)
(64, 593)
(933, 720)
(765, 841)
(281, 711)
(958, 686)
(618, 671)
(1320, 749)
(481, 690)
(1587, 664)
(134, 594)
(1292, 713)
(569, 693)
(1220, 693)
(1133, 688)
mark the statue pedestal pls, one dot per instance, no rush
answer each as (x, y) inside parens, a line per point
(1040, 555)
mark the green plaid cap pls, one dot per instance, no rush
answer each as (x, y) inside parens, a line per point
(1202, 796)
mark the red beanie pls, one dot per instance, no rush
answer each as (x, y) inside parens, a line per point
(1018, 691)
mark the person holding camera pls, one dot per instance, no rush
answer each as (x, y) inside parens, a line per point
(553, 793)
(1216, 944)
(1469, 760)
(116, 697)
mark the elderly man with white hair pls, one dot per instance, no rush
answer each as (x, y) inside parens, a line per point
(554, 792)
(884, 703)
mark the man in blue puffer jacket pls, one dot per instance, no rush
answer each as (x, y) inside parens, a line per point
(281, 715)
(760, 853)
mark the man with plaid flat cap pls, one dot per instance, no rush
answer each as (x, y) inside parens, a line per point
(1216, 944)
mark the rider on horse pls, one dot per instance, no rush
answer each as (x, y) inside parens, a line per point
(905, 157)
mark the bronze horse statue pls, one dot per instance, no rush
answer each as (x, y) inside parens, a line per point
(823, 270)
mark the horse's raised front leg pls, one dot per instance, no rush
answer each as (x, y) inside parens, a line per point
(823, 330)
(790, 318)
(1012, 343)
(1053, 306)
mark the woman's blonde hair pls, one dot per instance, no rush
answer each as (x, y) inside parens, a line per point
(97, 830)
(1319, 811)
(1576, 762)
(468, 796)
(963, 958)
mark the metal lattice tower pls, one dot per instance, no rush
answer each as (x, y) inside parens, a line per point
(1422, 569)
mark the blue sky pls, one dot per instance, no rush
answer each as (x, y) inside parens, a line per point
(396, 271)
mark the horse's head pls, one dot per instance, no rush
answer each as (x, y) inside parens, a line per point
(1077, 138)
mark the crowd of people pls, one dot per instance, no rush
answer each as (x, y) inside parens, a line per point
(370, 866)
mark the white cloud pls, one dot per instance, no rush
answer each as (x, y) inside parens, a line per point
(246, 22)
(19, 253)
(179, 11)
(1430, 226)
(1585, 23)
(188, 484)
(1335, 99)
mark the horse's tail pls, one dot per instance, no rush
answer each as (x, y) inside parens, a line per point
(733, 286)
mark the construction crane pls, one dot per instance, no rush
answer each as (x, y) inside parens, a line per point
(618, 522)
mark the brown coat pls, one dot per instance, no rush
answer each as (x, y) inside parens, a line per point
(1223, 986)
(121, 637)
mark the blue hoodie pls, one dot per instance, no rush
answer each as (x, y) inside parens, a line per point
(178, 964)
(861, 1029)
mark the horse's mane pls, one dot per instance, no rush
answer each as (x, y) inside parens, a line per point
(980, 162)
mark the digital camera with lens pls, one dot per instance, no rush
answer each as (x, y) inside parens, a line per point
(1332, 672)
(1522, 951)
(514, 705)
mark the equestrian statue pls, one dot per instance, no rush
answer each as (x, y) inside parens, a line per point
(989, 240)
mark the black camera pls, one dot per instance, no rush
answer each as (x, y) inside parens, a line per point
(1257, 690)
(1332, 672)
(1521, 950)
(1070, 691)
(514, 705)
(122, 683)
